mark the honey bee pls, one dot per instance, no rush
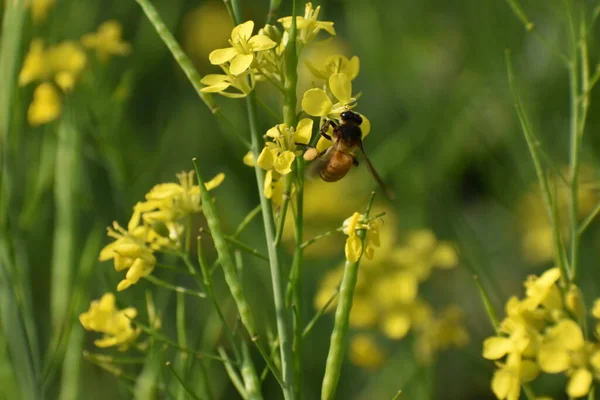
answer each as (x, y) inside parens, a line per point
(335, 162)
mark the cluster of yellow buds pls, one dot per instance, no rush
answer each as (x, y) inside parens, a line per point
(62, 65)
(539, 335)
(157, 224)
(386, 296)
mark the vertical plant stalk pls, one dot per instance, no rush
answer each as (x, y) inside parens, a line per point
(274, 10)
(291, 120)
(534, 149)
(182, 59)
(182, 340)
(337, 346)
(66, 184)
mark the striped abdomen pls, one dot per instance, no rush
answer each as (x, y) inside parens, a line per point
(338, 166)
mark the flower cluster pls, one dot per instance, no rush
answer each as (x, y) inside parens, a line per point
(251, 58)
(60, 67)
(386, 296)
(156, 224)
(354, 244)
(539, 335)
(103, 316)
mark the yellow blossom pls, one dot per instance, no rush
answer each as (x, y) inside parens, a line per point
(308, 26)
(107, 41)
(103, 316)
(365, 352)
(39, 9)
(219, 83)
(45, 106)
(354, 244)
(506, 382)
(441, 333)
(335, 64)
(316, 102)
(67, 60)
(35, 67)
(281, 152)
(244, 45)
(273, 187)
(543, 291)
(249, 159)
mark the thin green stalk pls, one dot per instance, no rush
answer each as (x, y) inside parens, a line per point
(276, 275)
(287, 190)
(182, 59)
(337, 346)
(175, 288)
(231, 277)
(533, 146)
(243, 246)
(66, 186)
(185, 389)
(489, 308)
(106, 358)
(586, 222)
(320, 313)
(273, 10)
(247, 219)
(211, 294)
(182, 340)
(251, 380)
(320, 236)
(233, 375)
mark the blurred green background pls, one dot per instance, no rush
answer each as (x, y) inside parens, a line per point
(444, 135)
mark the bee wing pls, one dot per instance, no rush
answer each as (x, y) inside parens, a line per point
(313, 169)
(386, 189)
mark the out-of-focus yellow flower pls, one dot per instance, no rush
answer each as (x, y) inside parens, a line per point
(219, 83)
(205, 28)
(35, 67)
(45, 106)
(442, 333)
(308, 26)
(103, 316)
(334, 64)
(281, 152)
(249, 159)
(564, 349)
(107, 41)
(354, 244)
(40, 8)
(537, 242)
(244, 45)
(365, 352)
(68, 61)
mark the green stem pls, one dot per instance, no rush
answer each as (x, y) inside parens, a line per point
(251, 381)
(337, 346)
(287, 190)
(273, 10)
(175, 288)
(246, 221)
(231, 276)
(182, 59)
(233, 375)
(182, 340)
(489, 308)
(320, 236)
(534, 146)
(586, 222)
(185, 389)
(276, 276)
(320, 313)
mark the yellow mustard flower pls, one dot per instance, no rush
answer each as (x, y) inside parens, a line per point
(107, 41)
(249, 159)
(67, 60)
(219, 83)
(446, 331)
(543, 290)
(506, 382)
(273, 187)
(103, 316)
(40, 8)
(354, 245)
(308, 26)
(35, 67)
(243, 46)
(334, 64)
(280, 153)
(132, 250)
(365, 352)
(316, 102)
(565, 349)
(45, 106)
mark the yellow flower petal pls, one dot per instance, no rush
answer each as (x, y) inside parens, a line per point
(396, 325)
(45, 106)
(268, 190)
(213, 79)
(365, 127)
(283, 162)
(505, 384)
(216, 88)
(341, 87)
(353, 248)
(214, 182)
(323, 144)
(568, 334)
(261, 42)
(242, 31)
(304, 131)
(496, 347)
(316, 103)
(221, 56)
(266, 159)
(34, 66)
(579, 383)
(553, 358)
(529, 371)
(275, 131)
(445, 256)
(249, 159)
(596, 309)
(241, 63)
(352, 68)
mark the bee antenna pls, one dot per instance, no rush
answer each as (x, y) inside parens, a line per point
(386, 189)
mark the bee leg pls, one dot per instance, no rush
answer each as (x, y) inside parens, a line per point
(325, 127)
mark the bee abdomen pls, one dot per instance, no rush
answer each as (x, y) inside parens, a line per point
(337, 168)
